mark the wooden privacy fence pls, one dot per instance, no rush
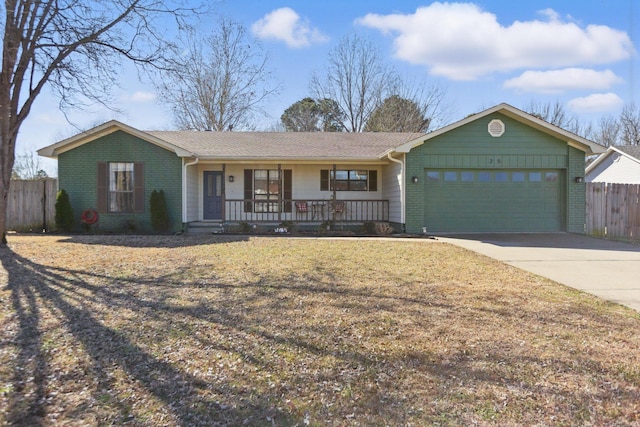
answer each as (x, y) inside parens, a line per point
(31, 204)
(613, 210)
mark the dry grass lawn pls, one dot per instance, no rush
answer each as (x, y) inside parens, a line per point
(220, 330)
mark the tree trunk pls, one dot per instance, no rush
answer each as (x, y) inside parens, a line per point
(7, 158)
(3, 214)
(8, 138)
(6, 165)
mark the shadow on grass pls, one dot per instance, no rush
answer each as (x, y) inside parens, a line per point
(437, 370)
(35, 288)
(153, 241)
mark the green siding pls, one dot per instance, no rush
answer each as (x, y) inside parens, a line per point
(77, 172)
(520, 148)
(577, 192)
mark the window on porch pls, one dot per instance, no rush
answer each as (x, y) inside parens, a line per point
(348, 180)
(267, 190)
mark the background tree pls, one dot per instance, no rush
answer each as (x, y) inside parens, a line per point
(330, 115)
(607, 132)
(556, 114)
(356, 78)
(309, 115)
(222, 81)
(27, 166)
(302, 116)
(397, 114)
(630, 125)
(74, 47)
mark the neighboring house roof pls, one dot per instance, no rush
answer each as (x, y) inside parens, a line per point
(583, 144)
(631, 152)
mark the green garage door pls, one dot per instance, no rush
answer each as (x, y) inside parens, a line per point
(459, 200)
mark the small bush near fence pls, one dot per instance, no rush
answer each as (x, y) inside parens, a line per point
(64, 212)
(613, 210)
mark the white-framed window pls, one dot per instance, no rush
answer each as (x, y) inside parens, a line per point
(348, 180)
(121, 186)
(266, 186)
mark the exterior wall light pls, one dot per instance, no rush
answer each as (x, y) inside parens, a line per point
(230, 178)
(579, 179)
(414, 179)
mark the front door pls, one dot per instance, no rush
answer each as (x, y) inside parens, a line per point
(212, 195)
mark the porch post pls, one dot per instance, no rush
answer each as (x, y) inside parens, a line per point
(280, 204)
(224, 192)
(334, 194)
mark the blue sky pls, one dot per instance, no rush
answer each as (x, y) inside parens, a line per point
(581, 53)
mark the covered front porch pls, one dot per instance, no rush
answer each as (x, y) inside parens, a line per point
(307, 213)
(309, 196)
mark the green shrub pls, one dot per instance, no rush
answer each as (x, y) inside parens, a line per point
(64, 212)
(245, 227)
(159, 212)
(369, 228)
(130, 225)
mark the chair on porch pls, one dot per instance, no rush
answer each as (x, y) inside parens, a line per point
(302, 209)
(338, 210)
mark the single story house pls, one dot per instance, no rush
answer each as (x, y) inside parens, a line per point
(618, 165)
(501, 170)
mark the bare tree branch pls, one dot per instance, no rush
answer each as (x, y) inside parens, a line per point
(75, 47)
(222, 82)
(608, 132)
(630, 125)
(356, 78)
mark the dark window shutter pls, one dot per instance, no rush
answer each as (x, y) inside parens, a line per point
(102, 202)
(373, 180)
(324, 180)
(138, 187)
(287, 191)
(248, 189)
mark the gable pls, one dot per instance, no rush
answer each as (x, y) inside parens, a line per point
(616, 168)
(517, 138)
(471, 145)
(104, 130)
(115, 147)
(506, 110)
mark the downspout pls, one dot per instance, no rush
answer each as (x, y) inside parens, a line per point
(402, 187)
(184, 187)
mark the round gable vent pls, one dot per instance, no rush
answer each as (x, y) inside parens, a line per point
(496, 128)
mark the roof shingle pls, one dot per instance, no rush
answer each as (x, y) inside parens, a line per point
(285, 145)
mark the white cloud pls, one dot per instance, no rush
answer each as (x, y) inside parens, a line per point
(462, 42)
(596, 103)
(140, 96)
(558, 81)
(285, 24)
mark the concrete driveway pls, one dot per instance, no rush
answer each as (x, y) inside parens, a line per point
(610, 270)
